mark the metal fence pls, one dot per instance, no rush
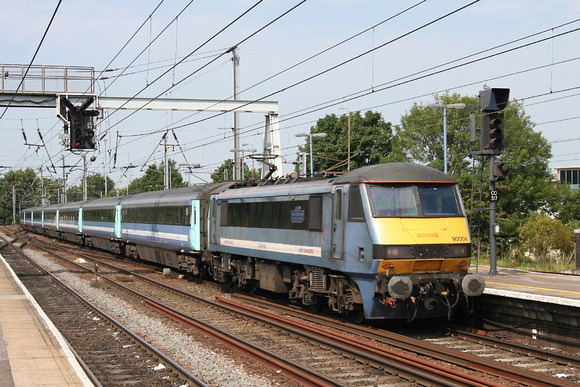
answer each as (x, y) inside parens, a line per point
(47, 79)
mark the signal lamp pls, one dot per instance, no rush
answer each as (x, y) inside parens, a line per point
(499, 171)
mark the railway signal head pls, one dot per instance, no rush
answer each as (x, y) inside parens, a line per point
(80, 122)
(491, 102)
(499, 171)
(88, 132)
(75, 131)
(492, 128)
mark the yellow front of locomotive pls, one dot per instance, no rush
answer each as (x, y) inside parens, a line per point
(422, 245)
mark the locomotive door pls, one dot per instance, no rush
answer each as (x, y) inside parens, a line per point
(212, 222)
(338, 224)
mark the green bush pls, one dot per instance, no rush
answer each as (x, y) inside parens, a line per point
(544, 242)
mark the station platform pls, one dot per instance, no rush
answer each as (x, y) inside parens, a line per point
(32, 350)
(533, 286)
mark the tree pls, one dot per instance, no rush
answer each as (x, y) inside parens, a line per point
(226, 172)
(568, 210)
(153, 180)
(27, 191)
(420, 137)
(95, 188)
(526, 189)
(370, 141)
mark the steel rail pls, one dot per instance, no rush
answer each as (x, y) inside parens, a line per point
(291, 370)
(179, 369)
(425, 374)
(423, 348)
(365, 347)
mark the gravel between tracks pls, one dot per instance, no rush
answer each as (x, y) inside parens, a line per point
(208, 365)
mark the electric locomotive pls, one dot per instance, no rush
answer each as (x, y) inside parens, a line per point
(387, 241)
(381, 242)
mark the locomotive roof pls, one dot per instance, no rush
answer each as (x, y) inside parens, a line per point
(394, 172)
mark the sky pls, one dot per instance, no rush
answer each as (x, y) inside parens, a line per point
(395, 54)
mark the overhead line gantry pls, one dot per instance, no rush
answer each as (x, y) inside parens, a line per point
(66, 88)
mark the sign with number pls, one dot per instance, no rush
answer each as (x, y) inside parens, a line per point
(493, 195)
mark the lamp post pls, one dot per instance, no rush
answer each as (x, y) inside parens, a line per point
(311, 135)
(445, 107)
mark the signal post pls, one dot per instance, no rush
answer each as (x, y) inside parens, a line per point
(492, 102)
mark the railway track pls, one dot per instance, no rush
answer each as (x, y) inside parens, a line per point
(109, 353)
(516, 362)
(176, 306)
(253, 335)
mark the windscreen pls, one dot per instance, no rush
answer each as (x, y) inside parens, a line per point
(438, 200)
(414, 200)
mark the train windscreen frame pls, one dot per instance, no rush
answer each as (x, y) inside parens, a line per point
(414, 200)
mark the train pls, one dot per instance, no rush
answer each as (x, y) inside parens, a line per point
(382, 242)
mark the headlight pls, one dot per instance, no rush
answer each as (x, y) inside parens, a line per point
(459, 251)
(392, 252)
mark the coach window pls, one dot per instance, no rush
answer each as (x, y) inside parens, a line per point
(224, 213)
(315, 213)
(355, 207)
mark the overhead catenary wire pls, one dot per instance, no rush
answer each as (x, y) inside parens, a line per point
(340, 64)
(404, 34)
(479, 81)
(151, 43)
(387, 85)
(320, 53)
(336, 66)
(42, 40)
(125, 46)
(211, 140)
(203, 44)
(136, 33)
(378, 105)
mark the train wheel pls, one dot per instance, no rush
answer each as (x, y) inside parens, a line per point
(227, 286)
(252, 287)
(357, 315)
(194, 278)
(315, 308)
